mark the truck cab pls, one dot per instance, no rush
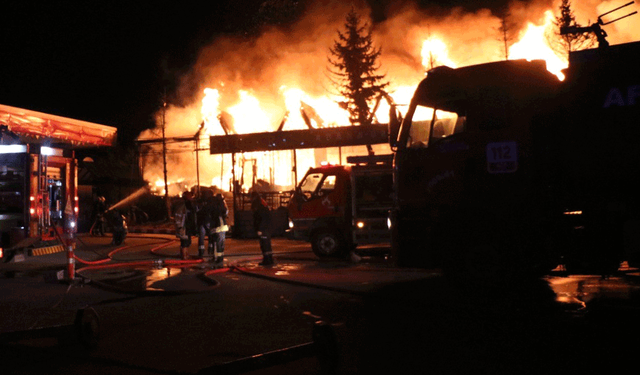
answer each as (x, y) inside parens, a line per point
(502, 169)
(466, 171)
(339, 207)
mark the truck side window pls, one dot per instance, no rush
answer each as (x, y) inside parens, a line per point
(444, 124)
(328, 185)
(420, 127)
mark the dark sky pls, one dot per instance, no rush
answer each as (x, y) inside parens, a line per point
(110, 62)
(104, 61)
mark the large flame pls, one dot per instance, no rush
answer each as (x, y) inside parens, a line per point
(533, 45)
(435, 53)
(211, 111)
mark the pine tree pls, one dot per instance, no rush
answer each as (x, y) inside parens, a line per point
(353, 67)
(562, 45)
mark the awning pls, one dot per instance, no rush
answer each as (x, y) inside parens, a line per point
(38, 127)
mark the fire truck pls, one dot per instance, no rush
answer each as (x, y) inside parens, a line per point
(338, 207)
(502, 169)
(38, 179)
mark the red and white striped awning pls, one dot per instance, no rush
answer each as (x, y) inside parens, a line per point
(42, 127)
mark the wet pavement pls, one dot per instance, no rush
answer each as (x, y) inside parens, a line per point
(158, 314)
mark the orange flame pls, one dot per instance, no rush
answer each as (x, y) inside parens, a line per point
(434, 53)
(457, 39)
(210, 111)
(532, 45)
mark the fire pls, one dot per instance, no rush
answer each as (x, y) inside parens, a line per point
(434, 53)
(210, 111)
(249, 116)
(532, 45)
(322, 111)
(280, 72)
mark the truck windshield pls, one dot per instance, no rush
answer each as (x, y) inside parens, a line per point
(428, 126)
(309, 185)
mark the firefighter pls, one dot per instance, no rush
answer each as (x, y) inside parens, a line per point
(262, 225)
(219, 227)
(99, 210)
(185, 220)
(118, 226)
(208, 223)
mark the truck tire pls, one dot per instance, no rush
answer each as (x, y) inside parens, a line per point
(327, 243)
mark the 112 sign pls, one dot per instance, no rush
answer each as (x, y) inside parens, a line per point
(502, 157)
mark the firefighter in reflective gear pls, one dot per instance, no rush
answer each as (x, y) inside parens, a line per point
(204, 219)
(262, 225)
(211, 214)
(185, 221)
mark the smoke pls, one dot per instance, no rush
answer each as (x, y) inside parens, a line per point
(295, 56)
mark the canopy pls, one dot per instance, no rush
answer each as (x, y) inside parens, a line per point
(38, 127)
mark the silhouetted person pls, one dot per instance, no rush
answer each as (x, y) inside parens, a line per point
(219, 227)
(99, 211)
(208, 222)
(118, 226)
(262, 225)
(185, 220)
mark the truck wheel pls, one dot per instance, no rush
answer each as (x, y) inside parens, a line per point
(327, 244)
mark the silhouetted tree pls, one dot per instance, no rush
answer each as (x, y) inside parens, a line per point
(506, 32)
(353, 67)
(563, 44)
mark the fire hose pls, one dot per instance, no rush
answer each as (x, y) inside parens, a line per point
(100, 264)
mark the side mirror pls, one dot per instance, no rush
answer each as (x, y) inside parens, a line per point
(395, 120)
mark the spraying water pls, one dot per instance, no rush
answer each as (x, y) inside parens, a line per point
(135, 195)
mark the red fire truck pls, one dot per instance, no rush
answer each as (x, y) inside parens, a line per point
(38, 178)
(338, 207)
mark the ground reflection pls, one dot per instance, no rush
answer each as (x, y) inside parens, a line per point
(576, 292)
(158, 275)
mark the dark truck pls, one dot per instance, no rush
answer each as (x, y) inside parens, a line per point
(515, 172)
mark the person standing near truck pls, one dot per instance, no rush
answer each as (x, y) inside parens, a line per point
(219, 227)
(205, 220)
(262, 225)
(185, 220)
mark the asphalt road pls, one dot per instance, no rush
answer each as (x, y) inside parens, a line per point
(201, 318)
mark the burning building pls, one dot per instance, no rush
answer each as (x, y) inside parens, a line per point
(278, 81)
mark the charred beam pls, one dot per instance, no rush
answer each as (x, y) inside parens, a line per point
(299, 139)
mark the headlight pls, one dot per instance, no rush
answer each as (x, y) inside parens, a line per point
(389, 222)
(290, 224)
(360, 224)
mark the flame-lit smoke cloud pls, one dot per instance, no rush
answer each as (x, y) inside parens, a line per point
(295, 56)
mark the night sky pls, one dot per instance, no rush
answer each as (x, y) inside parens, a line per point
(111, 62)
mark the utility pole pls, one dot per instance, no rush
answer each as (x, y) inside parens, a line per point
(164, 156)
